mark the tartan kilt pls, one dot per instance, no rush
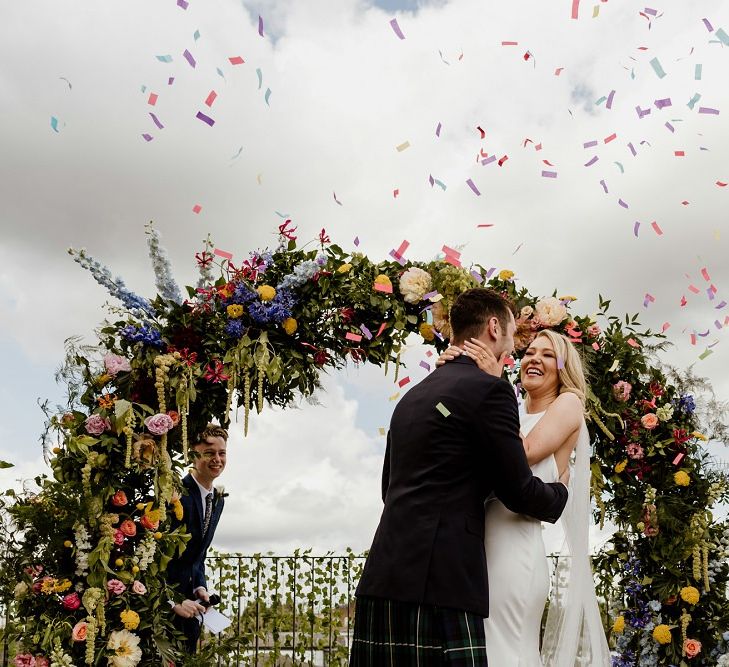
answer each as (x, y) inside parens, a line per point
(388, 633)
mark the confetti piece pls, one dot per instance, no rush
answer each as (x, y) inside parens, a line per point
(156, 121)
(367, 333)
(267, 96)
(592, 161)
(642, 112)
(685, 202)
(477, 276)
(437, 130)
(237, 155)
(575, 8)
(488, 160)
(147, 137)
(396, 28)
(425, 365)
(665, 327)
(381, 430)
(709, 110)
(679, 154)
(204, 118)
(694, 289)
(473, 187)
(509, 43)
(610, 98)
(636, 227)
(604, 186)
(188, 56)
(404, 381)
(678, 459)
(223, 253)
(650, 11)
(63, 78)
(660, 104)
(395, 396)
(723, 37)
(488, 225)
(649, 298)
(590, 144)
(440, 184)
(549, 174)
(632, 149)
(518, 248)
(356, 243)
(656, 65)
(656, 228)
(669, 126)
(258, 178)
(403, 146)
(260, 26)
(355, 338)
(260, 77)
(558, 71)
(705, 354)
(170, 81)
(560, 363)
(721, 184)
(210, 98)
(383, 288)
(693, 101)
(443, 410)
(697, 72)
(197, 208)
(502, 160)
(622, 203)
(481, 132)
(336, 200)
(396, 192)
(164, 59)
(708, 25)
(183, 3)
(196, 35)
(600, 101)
(383, 326)
(236, 60)
(620, 166)
(612, 137)
(220, 72)
(632, 342)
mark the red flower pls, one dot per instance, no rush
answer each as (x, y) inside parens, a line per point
(214, 372)
(347, 314)
(323, 238)
(680, 436)
(71, 601)
(358, 354)
(656, 389)
(286, 232)
(174, 416)
(118, 538)
(321, 357)
(119, 499)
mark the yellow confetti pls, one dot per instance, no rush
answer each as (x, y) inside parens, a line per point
(403, 146)
(614, 366)
(381, 430)
(394, 397)
(443, 410)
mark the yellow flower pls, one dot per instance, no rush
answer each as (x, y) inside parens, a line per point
(619, 624)
(101, 380)
(699, 436)
(157, 536)
(662, 634)
(266, 292)
(383, 279)
(119, 562)
(234, 310)
(68, 544)
(619, 467)
(568, 297)
(48, 585)
(505, 274)
(689, 594)
(681, 478)
(61, 586)
(290, 325)
(427, 331)
(177, 508)
(345, 268)
(130, 619)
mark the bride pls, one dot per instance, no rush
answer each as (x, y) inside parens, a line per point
(553, 429)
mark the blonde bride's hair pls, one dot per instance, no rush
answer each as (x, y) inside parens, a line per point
(571, 375)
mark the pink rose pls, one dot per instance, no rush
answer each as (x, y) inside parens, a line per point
(24, 660)
(159, 424)
(139, 588)
(71, 601)
(96, 424)
(78, 634)
(118, 538)
(115, 586)
(692, 647)
(621, 390)
(128, 527)
(115, 364)
(594, 330)
(119, 499)
(649, 421)
(634, 450)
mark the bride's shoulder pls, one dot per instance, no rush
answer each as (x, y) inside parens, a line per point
(567, 405)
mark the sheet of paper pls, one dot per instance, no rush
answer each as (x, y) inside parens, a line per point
(214, 621)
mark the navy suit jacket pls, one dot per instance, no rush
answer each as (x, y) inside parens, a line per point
(187, 571)
(429, 546)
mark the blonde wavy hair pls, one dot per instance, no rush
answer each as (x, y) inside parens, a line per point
(572, 374)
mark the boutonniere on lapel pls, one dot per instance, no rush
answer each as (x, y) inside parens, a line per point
(219, 492)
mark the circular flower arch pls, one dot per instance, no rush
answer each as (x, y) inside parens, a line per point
(86, 576)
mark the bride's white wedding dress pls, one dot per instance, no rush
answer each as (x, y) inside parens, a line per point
(518, 576)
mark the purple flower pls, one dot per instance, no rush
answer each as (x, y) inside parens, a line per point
(235, 328)
(96, 424)
(159, 424)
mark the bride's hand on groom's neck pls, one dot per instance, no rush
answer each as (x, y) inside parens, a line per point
(448, 355)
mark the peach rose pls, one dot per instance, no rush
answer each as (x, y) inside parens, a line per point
(119, 499)
(128, 527)
(138, 587)
(649, 421)
(692, 647)
(550, 311)
(148, 523)
(78, 634)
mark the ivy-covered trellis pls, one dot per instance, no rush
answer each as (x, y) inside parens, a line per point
(84, 568)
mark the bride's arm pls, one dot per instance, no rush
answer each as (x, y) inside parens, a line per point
(561, 421)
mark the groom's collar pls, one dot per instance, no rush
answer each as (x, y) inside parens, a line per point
(462, 359)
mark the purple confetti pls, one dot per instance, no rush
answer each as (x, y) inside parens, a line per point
(437, 130)
(156, 121)
(709, 110)
(710, 293)
(188, 56)
(665, 102)
(632, 149)
(431, 180)
(204, 118)
(472, 185)
(642, 112)
(636, 227)
(708, 25)
(721, 305)
(604, 186)
(549, 174)
(590, 144)
(170, 81)
(670, 127)
(490, 272)
(356, 241)
(650, 11)
(430, 295)
(147, 137)
(592, 161)
(622, 203)
(396, 28)
(717, 324)
(183, 3)
(476, 276)
(260, 26)
(367, 333)
(425, 365)
(398, 258)
(609, 104)
(489, 160)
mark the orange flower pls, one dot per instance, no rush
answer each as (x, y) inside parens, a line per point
(149, 523)
(106, 401)
(691, 647)
(128, 527)
(649, 421)
(119, 499)
(174, 416)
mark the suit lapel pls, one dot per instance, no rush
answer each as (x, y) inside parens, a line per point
(194, 492)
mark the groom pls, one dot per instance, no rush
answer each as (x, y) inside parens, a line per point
(453, 440)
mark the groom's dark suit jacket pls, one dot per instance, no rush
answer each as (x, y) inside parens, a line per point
(429, 546)
(188, 570)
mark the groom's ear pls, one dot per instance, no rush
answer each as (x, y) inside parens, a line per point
(493, 327)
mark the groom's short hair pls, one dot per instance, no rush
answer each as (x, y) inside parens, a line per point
(210, 431)
(473, 308)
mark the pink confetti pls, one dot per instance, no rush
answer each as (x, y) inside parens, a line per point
(223, 253)
(632, 342)
(396, 192)
(236, 60)
(152, 99)
(196, 209)
(665, 327)
(649, 298)
(188, 56)
(705, 275)
(381, 329)
(612, 137)
(596, 346)
(656, 228)
(502, 160)
(558, 71)
(396, 28)
(679, 154)
(211, 98)
(575, 8)
(509, 43)
(204, 118)
(260, 26)
(473, 187)
(383, 288)
(355, 338)
(694, 289)
(678, 459)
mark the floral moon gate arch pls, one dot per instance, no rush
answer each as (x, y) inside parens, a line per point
(97, 538)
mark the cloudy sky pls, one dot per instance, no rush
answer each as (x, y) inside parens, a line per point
(345, 93)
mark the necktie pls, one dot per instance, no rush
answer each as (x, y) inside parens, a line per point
(208, 512)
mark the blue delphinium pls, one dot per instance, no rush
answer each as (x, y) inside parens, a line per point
(142, 334)
(242, 294)
(235, 328)
(274, 311)
(166, 285)
(302, 273)
(686, 404)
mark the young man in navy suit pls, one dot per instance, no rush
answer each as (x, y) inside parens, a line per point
(202, 506)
